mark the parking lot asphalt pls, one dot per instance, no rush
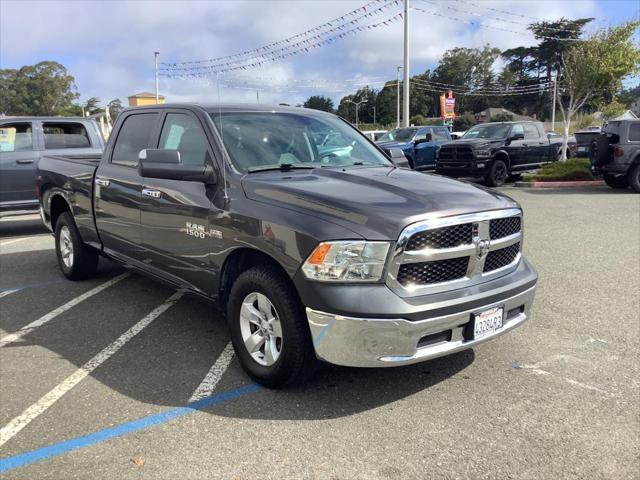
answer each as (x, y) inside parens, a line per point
(100, 385)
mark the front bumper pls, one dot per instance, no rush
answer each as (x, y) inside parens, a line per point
(358, 341)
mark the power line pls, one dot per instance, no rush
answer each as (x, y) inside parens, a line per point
(478, 93)
(482, 88)
(499, 11)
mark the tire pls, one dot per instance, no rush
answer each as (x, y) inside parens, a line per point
(599, 150)
(76, 260)
(274, 361)
(497, 174)
(633, 178)
(619, 183)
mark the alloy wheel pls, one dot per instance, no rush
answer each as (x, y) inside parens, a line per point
(261, 329)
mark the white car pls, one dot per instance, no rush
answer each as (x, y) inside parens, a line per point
(374, 135)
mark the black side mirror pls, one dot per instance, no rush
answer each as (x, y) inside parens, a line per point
(166, 164)
(517, 136)
(397, 157)
(427, 138)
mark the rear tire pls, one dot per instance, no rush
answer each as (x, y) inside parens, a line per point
(619, 183)
(497, 174)
(262, 302)
(76, 260)
(634, 178)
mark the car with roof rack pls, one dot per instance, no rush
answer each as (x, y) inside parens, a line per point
(312, 254)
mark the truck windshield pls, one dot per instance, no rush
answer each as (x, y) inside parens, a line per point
(487, 131)
(399, 135)
(256, 141)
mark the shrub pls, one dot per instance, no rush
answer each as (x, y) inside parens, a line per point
(575, 169)
(502, 117)
(464, 122)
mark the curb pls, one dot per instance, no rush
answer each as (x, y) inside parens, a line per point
(587, 183)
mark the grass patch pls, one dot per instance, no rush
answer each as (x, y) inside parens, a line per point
(574, 169)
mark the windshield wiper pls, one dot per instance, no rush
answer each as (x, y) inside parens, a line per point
(283, 167)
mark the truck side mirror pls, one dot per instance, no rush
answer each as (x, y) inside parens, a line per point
(397, 157)
(166, 164)
(426, 139)
(517, 136)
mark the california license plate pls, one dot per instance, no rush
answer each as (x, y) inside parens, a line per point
(487, 322)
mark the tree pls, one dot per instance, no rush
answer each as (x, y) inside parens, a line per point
(318, 102)
(45, 88)
(598, 64)
(115, 107)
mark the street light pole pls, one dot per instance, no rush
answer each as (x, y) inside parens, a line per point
(357, 104)
(405, 85)
(553, 104)
(398, 97)
(155, 54)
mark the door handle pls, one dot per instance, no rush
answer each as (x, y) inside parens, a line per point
(25, 161)
(525, 144)
(148, 192)
(102, 182)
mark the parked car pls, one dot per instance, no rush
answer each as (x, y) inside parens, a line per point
(419, 144)
(583, 140)
(558, 140)
(374, 135)
(615, 153)
(23, 141)
(347, 259)
(496, 151)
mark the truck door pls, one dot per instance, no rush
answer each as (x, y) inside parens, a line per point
(518, 146)
(19, 154)
(537, 145)
(118, 186)
(177, 233)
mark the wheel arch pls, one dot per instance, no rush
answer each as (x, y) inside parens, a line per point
(504, 156)
(58, 204)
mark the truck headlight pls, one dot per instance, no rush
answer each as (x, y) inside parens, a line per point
(347, 261)
(482, 153)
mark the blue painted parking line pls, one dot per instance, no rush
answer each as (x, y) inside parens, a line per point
(100, 436)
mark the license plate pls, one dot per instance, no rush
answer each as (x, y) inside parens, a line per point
(582, 149)
(487, 322)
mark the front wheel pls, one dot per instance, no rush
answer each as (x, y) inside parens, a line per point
(619, 183)
(76, 260)
(497, 174)
(269, 328)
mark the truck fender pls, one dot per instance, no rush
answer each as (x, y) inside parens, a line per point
(502, 155)
(54, 203)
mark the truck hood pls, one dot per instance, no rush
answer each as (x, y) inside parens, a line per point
(374, 202)
(476, 143)
(400, 145)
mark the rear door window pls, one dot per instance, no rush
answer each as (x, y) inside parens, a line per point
(634, 132)
(135, 135)
(65, 135)
(16, 137)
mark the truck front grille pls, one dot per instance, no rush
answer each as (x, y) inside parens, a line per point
(503, 227)
(427, 273)
(501, 258)
(465, 249)
(445, 237)
(455, 153)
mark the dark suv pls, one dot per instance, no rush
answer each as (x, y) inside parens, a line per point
(615, 153)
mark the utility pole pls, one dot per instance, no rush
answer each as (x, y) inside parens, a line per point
(357, 104)
(155, 54)
(374, 114)
(258, 95)
(398, 97)
(553, 104)
(405, 83)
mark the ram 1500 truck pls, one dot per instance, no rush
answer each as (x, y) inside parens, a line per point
(497, 150)
(344, 258)
(24, 140)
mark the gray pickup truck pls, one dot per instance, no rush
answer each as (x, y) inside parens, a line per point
(312, 255)
(24, 140)
(615, 153)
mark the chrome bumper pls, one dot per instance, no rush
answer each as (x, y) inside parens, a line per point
(372, 342)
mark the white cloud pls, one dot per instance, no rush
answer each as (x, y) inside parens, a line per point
(108, 46)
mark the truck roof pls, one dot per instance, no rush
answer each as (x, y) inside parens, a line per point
(54, 119)
(232, 107)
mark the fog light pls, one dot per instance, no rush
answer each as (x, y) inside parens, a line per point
(479, 165)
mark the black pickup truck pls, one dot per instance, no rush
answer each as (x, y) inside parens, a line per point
(496, 151)
(332, 254)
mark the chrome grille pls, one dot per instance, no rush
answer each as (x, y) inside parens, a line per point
(501, 258)
(445, 237)
(426, 273)
(455, 252)
(503, 227)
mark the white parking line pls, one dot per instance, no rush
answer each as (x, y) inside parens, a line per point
(13, 337)
(14, 426)
(8, 292)
(214, 375)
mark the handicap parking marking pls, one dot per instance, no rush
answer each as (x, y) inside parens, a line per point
(18, 423)
(13, 337)
(8, 291)
(213, 376)
(57, 449)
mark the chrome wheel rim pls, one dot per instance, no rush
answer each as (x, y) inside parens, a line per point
(261, 329)
(66, 247)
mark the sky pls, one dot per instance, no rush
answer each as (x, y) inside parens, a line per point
(108, 46)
